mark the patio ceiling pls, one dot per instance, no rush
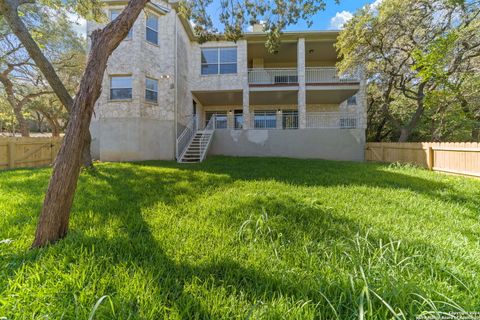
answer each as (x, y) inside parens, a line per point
(330, 96)
(219, 98)
(273, 97)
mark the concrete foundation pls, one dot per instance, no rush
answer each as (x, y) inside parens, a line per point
(330, 144)
(132, 139)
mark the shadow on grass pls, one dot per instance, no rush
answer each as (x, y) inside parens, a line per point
(118, 195)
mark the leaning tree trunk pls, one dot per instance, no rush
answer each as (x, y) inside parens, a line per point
(54, 218)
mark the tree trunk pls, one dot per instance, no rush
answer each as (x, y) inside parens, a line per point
(404, 135)
(54, 218)
(87, 161)
(22, 123)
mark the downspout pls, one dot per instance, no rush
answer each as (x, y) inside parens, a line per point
(176, 87)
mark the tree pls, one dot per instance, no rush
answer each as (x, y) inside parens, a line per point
(409, 49)
(10, 13)
(54, 218)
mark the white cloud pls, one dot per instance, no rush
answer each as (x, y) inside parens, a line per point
(375, 4)
(79, 24)
(337, 22)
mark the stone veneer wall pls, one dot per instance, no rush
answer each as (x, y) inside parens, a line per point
(119, 125)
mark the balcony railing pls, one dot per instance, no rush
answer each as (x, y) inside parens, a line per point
(287, 76)
(328, 75)
(333, 120)
(273, 76)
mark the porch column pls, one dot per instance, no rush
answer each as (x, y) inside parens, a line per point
(302, 94)
(279, 119)
(243, 72)
(246, 109)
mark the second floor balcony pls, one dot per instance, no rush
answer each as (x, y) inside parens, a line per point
(289, 76)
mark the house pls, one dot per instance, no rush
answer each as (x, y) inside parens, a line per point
(168, 96)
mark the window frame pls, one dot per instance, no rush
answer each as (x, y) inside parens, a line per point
(130, 32)
(148, 90)
(219, 62)
(151, 29)
(112, 88)
(265, 114)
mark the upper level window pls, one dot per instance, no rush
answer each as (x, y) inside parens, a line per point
(151, 90)
(114, 13)
(219, 60)
(152, 28)
(352, 100)
(120, 87)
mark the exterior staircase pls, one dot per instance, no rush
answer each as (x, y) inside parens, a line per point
(198, 147)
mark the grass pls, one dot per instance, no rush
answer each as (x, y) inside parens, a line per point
(244, 238)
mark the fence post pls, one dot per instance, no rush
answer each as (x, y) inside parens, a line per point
(11, 154)
(430, 158)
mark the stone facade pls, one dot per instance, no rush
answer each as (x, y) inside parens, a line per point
(136, 129)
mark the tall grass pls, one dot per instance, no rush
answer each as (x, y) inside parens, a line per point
(240, 238)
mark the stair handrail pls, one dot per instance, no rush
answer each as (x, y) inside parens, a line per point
(186, 137)
(206, 137)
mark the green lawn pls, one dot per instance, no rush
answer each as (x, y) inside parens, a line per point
(244, 238)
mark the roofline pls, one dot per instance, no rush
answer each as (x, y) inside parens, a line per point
(152, 6)
(323, 35)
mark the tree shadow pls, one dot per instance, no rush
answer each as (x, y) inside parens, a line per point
(121, 196)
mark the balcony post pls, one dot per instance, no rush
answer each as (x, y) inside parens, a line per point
(246, 109)
(302, 94)
(279, 119)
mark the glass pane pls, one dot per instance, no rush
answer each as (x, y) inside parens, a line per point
(228, 55)
(209, 68)
(221, 121)
(228, 68)
(238, 121)
(151, 84)
(121, 82)
(152, 22)
(265, 120)
(210, 56)
(152, 36)
(114, 13)
(120, 94)
(151, 95)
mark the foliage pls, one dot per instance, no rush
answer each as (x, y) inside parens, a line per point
(236, 15)
(53, 32)
(416, 53)
(244, 238)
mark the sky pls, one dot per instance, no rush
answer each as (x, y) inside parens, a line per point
(332, 18)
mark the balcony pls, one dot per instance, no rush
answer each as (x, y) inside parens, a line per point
(270, 76)
(289, 119)
(289, 76)
(327, 75)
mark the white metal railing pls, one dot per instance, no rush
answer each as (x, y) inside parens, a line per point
(273, 76)
(186, 136)
(328, 75)
(206, 137)
(333, 120)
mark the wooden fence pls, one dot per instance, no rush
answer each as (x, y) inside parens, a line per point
(28, 152)
(453, 157)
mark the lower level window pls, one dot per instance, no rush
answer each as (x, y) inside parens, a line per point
(151, 90)
(265, 119)
(290, 119)
(238, 119)
(120, 87)
(220, 119)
